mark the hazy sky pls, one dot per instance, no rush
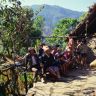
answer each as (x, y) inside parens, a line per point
(79, 5)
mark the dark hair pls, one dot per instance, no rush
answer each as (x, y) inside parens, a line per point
(57, 45)
(79, 40)
(31, 48)
(43, 44)
(84, 41)
(70, 34)
(60, 55)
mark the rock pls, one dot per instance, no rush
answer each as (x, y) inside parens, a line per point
(91, 49)
(84, 85)
(93, 64)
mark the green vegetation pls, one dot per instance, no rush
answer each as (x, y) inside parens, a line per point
(52, 14)
(63, 28)
(1, 47)
(83, 16)
(17, 27)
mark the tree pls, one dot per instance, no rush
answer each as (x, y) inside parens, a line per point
(63, 28)
(16, 27)
(83, 16)
(39, 23)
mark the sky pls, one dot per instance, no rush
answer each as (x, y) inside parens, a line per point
(78, 5)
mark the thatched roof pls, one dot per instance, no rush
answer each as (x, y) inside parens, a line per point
(88, 25)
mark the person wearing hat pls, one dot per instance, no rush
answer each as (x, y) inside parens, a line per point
(32, 61)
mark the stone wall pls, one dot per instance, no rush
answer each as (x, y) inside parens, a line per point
(92, 48)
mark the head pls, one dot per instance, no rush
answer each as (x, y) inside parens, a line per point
(59, 50)
(78, 42)
(68, 51)
(55, 47)
(61, 57)
(31, 50)
(84, 41)
(70, 36)
(46, 50)
(41, 46)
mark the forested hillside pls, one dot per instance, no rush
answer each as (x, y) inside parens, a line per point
(52, 14)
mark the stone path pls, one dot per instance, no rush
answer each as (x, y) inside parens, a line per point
(77, 83)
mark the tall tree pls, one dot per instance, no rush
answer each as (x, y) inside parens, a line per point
(16, 26)
(63, 28)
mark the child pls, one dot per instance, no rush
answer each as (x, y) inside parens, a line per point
(84, 52)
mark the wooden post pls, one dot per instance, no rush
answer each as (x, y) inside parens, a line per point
(25, 77)
(86, 28)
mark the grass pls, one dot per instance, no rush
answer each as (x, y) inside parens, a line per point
(1, 47)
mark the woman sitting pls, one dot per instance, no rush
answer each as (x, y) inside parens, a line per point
(68, 59)
(78, 51)
(62, 64)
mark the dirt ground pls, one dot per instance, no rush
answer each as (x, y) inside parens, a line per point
(76, 83)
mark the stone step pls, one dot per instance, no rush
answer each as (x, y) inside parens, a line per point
(81, 86)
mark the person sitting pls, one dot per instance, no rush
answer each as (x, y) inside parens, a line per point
(55, 50)
(41, 51)
(78, 52)
(32, 62)
(59, 51)
(62, 64)
(68, 59)
(84, 51)
(48, 64)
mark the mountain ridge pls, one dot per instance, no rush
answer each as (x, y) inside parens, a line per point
(52, 14)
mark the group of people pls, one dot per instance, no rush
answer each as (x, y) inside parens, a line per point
(53, 62)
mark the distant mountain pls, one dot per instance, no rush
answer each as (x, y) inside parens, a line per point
(52, 14)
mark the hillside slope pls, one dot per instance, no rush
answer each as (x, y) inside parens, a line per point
(52, 14)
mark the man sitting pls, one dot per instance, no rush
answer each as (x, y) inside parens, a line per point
(32, 61)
